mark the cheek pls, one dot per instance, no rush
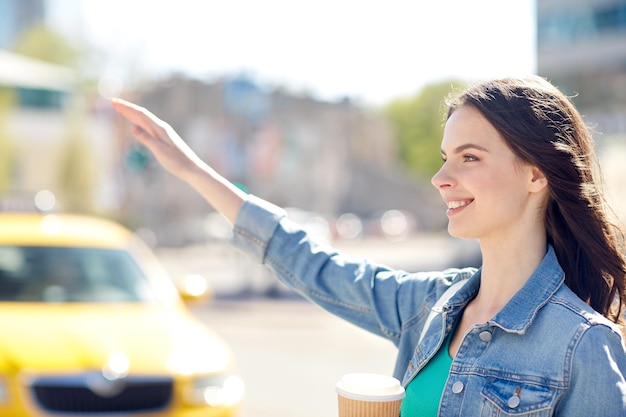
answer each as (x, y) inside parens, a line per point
(505, 192)
(485, 184)
(498, 186)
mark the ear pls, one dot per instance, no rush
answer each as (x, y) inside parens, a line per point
(538, 181)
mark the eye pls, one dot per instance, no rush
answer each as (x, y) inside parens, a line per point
(469, 158)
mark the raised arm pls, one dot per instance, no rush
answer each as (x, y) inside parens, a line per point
(175, 156)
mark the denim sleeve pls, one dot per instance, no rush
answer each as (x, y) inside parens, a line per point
(598, 370)
(361, 291)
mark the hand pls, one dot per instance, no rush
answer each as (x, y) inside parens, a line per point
(178, 158)
(160, 138)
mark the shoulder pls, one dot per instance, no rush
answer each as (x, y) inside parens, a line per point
(570, 302)
(595, 363)
(591, 326)
(591, 346)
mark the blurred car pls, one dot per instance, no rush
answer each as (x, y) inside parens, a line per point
(90, 324)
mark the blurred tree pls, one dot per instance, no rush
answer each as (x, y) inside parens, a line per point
(42, 42)
(77, 169)
(7, 144)
(418, 124)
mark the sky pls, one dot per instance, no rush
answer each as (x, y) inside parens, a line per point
(371, 51)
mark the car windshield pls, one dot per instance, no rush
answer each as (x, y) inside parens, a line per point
(68, 274)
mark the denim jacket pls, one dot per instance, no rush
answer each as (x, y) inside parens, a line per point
(546, 353)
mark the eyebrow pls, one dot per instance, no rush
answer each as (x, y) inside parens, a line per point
(465, 147)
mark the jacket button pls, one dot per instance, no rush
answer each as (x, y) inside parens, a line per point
(457, 387)
(513, 402)
(485, 336)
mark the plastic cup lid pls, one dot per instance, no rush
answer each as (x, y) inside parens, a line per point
(370, 387)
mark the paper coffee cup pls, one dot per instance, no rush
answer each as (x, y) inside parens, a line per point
(369, 395)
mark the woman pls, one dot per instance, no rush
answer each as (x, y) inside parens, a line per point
(536, 330)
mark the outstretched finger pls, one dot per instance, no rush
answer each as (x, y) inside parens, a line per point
(139, 116)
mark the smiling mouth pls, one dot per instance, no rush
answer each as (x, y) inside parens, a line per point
(453, 205)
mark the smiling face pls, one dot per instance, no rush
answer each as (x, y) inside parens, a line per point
(489, 191)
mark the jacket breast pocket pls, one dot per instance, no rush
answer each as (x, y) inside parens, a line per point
(502, 397)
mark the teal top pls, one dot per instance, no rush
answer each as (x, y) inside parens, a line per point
(423, 393)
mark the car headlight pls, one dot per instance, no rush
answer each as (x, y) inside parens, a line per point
(215, 390)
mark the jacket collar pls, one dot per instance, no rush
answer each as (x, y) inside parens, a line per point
(517, 315)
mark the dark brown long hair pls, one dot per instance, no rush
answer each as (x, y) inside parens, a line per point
(543, 128)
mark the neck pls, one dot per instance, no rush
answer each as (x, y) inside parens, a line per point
(506, 267)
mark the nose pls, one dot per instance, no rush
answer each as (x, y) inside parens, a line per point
(442, 178)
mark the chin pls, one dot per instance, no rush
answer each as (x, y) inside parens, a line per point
(461, 233)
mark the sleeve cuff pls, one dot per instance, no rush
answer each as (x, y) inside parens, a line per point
(254, 227)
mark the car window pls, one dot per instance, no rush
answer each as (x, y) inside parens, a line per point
(68, 274)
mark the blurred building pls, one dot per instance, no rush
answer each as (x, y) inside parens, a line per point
(581, 47)
(16, 16)
(33, 100)
(325, 157)
(34, 94)
(48, 140)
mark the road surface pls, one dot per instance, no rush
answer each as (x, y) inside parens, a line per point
(291, 353)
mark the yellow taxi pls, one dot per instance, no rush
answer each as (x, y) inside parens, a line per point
(91, 325)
